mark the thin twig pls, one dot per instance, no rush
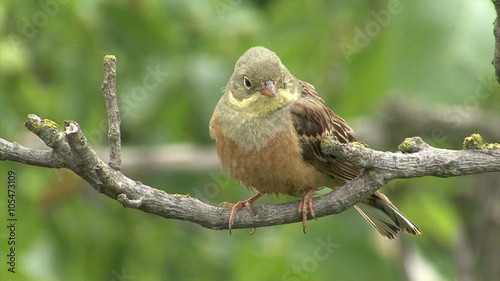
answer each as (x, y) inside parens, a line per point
(109, 91)
(496, 32)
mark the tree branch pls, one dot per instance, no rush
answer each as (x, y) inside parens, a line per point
(70, 149)
(420, 159)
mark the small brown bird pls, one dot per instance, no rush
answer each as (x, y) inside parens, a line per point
(268, 127)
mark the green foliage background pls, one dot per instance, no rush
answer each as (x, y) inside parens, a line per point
(51, 52)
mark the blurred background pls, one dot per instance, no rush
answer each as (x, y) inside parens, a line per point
(392, 69)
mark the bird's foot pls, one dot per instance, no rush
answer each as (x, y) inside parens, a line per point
(235, 207)
(305, 206)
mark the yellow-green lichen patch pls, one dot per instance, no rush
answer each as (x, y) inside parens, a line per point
(326, 140)
(109, 57)
(452, 170)
(475, 141)
(491, 146)
(34, 126)
(359, 144)
(407, 146)
(50, 123)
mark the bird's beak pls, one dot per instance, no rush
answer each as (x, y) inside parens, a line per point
(269, 90)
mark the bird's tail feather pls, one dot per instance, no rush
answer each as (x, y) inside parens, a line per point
(385, 217)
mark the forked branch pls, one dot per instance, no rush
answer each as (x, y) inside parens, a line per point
(69, 149)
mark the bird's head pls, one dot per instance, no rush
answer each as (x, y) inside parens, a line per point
(260, 83)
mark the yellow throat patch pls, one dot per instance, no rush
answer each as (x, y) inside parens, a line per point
(258, 105)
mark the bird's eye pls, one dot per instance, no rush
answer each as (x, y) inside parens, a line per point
(247, 83)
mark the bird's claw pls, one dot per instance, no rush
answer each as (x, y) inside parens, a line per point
(306, 207)
(235, 207)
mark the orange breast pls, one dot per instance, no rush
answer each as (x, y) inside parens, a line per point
(276, 168)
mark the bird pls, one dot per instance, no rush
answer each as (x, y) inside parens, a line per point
(268, 127)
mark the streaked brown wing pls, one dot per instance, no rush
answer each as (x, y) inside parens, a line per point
(313, 121)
